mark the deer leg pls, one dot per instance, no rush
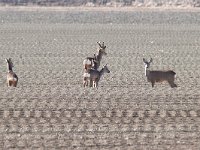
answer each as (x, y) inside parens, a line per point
(9, 83)
(86, 84)
(172, 84)
(152, 83)
(91, 83)
(85, 81)
(14, 84)
(94, 83)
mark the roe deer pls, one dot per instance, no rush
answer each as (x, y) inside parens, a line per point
(12, 78)
(94, 62)
(94, 76)
(159, 76)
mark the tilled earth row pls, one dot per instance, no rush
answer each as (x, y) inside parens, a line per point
(92, 129)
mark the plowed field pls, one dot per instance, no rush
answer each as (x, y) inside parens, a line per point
(50, 109)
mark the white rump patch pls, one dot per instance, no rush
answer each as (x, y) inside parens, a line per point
(87, 62)
(12, 79)
(86, 75)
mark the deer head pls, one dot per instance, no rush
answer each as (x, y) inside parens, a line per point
(10, 64)
(102, 48)
(146, 63)
(105, 68)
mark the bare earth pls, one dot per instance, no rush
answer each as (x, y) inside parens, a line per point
(50, 109)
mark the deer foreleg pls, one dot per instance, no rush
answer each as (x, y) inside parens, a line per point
(91, 83)
(94, 84)
(172, 84)
(85, 81)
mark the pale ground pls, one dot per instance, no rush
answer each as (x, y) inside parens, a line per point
(85, 8)
(51, 110)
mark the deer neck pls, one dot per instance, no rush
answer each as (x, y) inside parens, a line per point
(9, 67)
(101, 72)
(147, 71)
(99, 56)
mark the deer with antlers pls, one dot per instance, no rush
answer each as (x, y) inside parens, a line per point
(159, 76)
(12, 78)
(94, 62)
(94, 76)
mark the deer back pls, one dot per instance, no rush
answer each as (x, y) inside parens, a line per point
(94, 73)
(160, 76)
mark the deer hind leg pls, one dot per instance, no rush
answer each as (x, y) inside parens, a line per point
(174, 85)
(9, 83)
(14, 84)
(152, 83)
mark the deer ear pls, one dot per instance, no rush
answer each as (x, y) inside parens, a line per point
(99, 44)
(151, 60)
(144, 60)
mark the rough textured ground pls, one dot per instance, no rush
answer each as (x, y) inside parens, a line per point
(51, 110)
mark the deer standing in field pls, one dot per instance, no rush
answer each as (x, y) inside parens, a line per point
(94, 62)
(159, 76)
(94, 76)
(12, 78)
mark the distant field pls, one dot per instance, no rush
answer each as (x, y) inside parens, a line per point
(50, 109)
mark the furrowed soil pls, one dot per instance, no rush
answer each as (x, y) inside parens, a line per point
(50, 108)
